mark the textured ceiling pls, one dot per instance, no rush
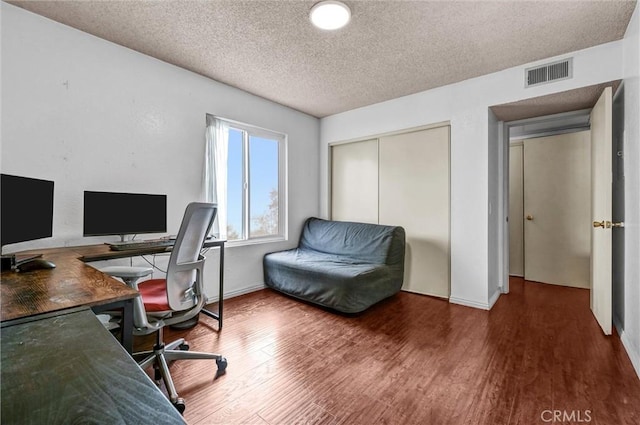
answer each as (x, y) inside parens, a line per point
(390, 48)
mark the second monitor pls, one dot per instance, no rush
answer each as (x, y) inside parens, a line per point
(117, 213)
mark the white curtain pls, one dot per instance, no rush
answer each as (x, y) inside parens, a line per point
(215, 171)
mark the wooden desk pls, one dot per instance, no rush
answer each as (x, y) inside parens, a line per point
(71, 284)
(68, 369)
(102, 252)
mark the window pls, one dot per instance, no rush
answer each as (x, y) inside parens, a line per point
(255, 183)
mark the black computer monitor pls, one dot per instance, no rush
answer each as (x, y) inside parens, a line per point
(26, 209)
(115, 213)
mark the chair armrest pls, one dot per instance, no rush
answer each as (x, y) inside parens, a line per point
(130, 275)
(127, 272)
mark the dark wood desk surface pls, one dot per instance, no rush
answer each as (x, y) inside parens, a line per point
(71, 284)
(68, 369)
(103, 252)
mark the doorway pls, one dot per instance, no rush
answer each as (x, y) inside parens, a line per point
(536, 116)
(599, 99)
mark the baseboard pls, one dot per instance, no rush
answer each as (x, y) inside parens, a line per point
(617, 323)
(469, 303)
(632, 352)
(442, 297)
(238, 292)
(476, 304)
(494, 298)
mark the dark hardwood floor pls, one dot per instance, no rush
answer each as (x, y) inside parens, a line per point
(537, 357)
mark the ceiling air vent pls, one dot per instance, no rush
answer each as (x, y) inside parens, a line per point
(555, 71)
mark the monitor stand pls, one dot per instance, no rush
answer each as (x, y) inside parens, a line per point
(8, 261)
(21, 259)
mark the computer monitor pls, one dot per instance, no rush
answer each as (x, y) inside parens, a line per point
(115, 213)
(26, 209)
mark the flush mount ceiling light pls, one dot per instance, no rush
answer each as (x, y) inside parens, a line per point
(330, 15)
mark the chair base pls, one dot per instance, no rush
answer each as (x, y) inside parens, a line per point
(162, 354)
(187, 324)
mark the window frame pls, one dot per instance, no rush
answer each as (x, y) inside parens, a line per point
(282, 140)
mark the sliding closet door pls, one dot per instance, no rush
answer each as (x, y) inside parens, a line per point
(354, 181)
(414, 193)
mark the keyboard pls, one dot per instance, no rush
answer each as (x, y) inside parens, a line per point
(152, 243)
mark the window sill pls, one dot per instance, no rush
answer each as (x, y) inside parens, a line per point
(274, 239)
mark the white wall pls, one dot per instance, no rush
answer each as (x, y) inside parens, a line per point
(92, 115)
(631, 49)
(465, 105)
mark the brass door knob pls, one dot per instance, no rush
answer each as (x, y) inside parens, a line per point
(529, 217)
(604, 224)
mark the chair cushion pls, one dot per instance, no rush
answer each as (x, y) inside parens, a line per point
(154, 295)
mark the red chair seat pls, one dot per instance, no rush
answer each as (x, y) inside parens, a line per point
(154, 294)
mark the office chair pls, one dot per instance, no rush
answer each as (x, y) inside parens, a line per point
(178, 297)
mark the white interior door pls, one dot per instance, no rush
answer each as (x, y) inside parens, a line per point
(557, 199)
(414, 194)
(516, 211)
(601, 196)
(354, 181)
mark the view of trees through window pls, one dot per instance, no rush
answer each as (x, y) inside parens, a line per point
(252, 186)
(265, 224)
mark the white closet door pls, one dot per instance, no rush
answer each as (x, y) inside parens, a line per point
(516, 212)
(557, 202)
(354, 181)
(414, 194)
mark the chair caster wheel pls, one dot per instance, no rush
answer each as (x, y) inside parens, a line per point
(179, 405)
(157, 375)
(184, 346)
(222, 366)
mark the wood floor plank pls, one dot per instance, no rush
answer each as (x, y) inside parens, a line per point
(255, 420)
(411, 359)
